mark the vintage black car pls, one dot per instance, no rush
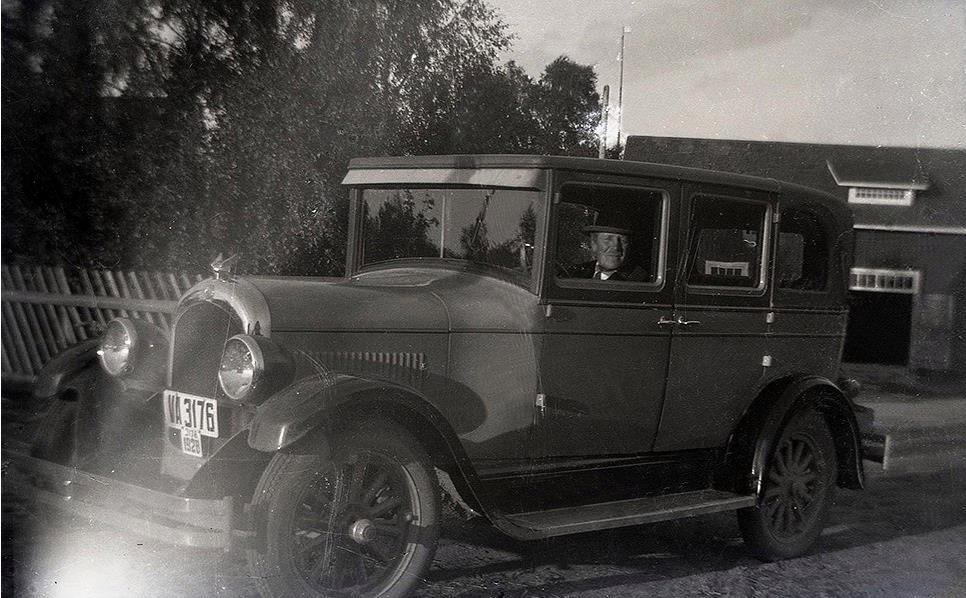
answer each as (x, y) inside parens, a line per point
(558, 345)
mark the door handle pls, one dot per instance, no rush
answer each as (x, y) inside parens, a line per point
(666, 322)
(682, 322)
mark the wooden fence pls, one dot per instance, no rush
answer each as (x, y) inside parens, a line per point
(45, 310)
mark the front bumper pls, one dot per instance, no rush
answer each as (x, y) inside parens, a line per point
(203, 523)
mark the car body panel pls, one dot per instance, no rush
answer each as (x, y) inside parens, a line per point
(715, 367)
(462, 340)
(604, 359)
(603, 373)
(397, 301)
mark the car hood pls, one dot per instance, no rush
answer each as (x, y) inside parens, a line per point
(413, 299)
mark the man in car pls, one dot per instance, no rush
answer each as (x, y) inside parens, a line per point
(611, 244)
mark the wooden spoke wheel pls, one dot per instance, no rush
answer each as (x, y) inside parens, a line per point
(360, 523)
(797, 490)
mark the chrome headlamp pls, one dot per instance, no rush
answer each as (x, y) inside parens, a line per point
(242, 365)
(252, 367)
(119, 347)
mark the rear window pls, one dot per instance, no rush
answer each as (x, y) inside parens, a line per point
(803, 256)
(727, 241)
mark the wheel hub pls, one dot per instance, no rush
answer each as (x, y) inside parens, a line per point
(362, 531)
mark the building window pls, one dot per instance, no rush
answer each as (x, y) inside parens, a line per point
(881, 196)
(880, 280)
(712, 268)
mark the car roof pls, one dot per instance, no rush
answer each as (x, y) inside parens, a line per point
(509, 168)
(515, 161)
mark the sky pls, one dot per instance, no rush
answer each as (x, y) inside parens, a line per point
(866, 72)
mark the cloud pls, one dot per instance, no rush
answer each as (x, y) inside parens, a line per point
(877, 72)
(663, 34)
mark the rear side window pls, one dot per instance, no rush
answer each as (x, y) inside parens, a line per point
(727, 241)
(803, 257)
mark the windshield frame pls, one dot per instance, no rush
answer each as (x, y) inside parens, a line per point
(355, 259)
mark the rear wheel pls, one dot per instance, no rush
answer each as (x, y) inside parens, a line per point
(363, 522)
(797, 491)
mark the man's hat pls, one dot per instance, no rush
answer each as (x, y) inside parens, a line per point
(609, 222)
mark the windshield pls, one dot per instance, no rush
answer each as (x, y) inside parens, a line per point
(496, 227)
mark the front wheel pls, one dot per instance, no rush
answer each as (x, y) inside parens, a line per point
(363, 522)
(797, 491)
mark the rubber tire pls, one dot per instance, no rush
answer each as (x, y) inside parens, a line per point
(755, 528)
(272, 567)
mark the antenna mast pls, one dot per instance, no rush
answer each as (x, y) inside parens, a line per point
(604, 115)
(620, 92)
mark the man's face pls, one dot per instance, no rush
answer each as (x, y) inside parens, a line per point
(610, 249)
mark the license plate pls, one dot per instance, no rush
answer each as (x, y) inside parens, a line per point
(191, 443)
(195, 416)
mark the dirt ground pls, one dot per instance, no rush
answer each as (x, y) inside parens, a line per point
(903, 536)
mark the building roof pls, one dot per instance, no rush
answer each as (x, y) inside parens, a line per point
(937, 175)
(889, 174)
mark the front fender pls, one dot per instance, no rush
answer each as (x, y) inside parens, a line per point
(300, 408)
(306, 406)
(53, 378)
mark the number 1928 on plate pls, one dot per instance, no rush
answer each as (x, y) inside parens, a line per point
(195, 416)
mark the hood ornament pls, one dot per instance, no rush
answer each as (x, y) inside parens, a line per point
(223, 267)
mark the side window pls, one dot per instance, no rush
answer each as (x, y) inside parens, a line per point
(803, 259)
(727, 242)
(608, 234)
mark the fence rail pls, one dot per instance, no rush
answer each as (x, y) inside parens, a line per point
(45, 309)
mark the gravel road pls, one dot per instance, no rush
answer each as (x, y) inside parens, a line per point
(903, 536)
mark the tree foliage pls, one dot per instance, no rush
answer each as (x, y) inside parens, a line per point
(567, 108)
(158, 133)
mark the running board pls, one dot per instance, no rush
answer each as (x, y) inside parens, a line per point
(571, 520)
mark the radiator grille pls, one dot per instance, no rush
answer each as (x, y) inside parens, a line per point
(197, 340)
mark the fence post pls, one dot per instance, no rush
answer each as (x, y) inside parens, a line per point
(61, 279)
(24, 333)
(39, 318)
(58, 314)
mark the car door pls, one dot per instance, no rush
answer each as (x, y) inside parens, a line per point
(718, 354)
(603, 357)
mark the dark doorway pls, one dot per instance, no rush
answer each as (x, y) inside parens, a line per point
(878, 330)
